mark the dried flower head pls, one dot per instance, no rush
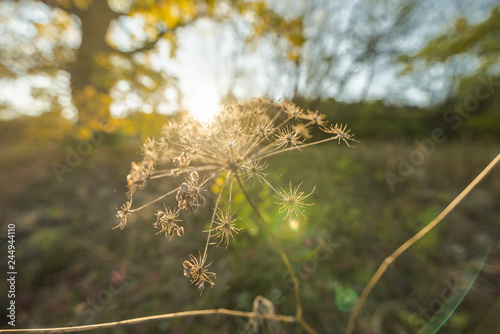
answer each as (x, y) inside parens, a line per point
(340, 133)
(254, 169)
(263, 129)
(190, 192)
(236, 143)
(225, 227)
(198, 272)
(292, 201)
(139, 175)
(287, 137)
(302, 130)
(166, 223)
(123, 214)
(315, 117)
(268, 323)
(293, 110)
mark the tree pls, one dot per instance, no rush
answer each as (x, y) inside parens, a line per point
(99, 60)
(473, 88)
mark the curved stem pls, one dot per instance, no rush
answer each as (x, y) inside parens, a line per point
(213, 215)
(233, 313)
(388, 260)
(284, 257)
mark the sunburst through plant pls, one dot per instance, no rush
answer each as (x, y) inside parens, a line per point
(292, 201)
(235, 144)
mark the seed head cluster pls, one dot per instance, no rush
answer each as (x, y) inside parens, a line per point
(233, 146)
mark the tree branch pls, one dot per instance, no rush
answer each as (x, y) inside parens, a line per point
(151, 44)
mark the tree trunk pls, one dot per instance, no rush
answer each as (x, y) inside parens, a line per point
(86, 73)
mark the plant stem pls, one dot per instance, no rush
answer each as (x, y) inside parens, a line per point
(284, 257)
(388, 260)
(155, 200)
(213, 215)
(196, 313)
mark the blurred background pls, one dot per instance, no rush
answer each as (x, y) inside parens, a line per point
(83, 83)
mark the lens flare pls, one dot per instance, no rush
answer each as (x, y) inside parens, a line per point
(203, 106)
(294, 225)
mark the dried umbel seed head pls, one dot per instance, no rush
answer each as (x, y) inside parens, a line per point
(225, 227)
(292, 110)
(123, 214)
(263, 129)
(254, 169)
(292, 201)
(287, 137)
(138, 177)
(237, 143)
(315, 117)
(182, 161)
(198, 272)
(166, 223)
(340, 133)
(189, 193)
(266, 324)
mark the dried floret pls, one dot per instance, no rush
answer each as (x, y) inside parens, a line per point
(198, 272)
(340, 133)
(263, 129)
(315, 117)
(189, 193)
(139, 175)
(123, 214)
(292, 110)
(166, 223)
(254, 169)
(292, 201)
(287, 137)
(225, 227)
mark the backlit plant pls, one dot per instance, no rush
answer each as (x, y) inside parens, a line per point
(233, 146)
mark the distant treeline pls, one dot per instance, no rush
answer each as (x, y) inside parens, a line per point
(474, 117)
(469, 118)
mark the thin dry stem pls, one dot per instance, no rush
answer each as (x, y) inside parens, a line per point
(233, 313)
(284, 257)
(298, 147)
(155, 200)
(388, 260)
(213, 215)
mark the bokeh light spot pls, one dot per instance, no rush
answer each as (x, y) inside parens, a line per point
(346, 299)
(294, 225)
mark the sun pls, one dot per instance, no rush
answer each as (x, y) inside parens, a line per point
(203, 105)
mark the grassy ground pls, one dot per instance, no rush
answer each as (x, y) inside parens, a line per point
(74, 269)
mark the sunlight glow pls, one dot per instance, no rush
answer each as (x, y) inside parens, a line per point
(294, 225)
(202, 105)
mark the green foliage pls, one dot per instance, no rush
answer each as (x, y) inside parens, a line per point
(475, 99)
(377, 120)
(68, 252)
(480, 40)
